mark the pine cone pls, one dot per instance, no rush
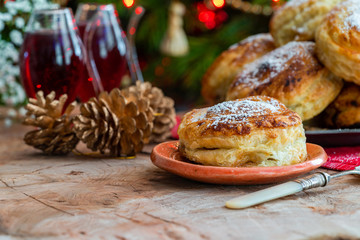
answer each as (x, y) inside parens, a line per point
(120, 123)
(164, 111)
(54, 134)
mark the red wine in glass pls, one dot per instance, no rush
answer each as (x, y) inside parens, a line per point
(84, 13)
(82, 26)
(105, 45)
(86, 88)
(52, 57)
(46, 65)
(109, 58)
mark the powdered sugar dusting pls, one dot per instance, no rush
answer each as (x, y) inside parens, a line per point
(270, 65)
(353, 19)
(241, 110)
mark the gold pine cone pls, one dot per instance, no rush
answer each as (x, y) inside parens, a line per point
(164, 111)
(118, 123)
(54, 134)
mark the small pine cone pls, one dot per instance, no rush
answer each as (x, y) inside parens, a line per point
(54, 134)
(164, 111)
(117, 122)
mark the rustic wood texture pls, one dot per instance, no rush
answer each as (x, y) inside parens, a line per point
(77, 197)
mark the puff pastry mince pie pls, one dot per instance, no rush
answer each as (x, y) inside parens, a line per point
(338, 41)
(298, 20)
(222, 72)
(254, 131)
(293, 75)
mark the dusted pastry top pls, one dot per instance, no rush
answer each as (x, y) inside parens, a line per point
(338, 41)
(293, 75)
(254, 131)
(297, 20)
(239, 117)
(282, 68)
(222, 72)
(343, 25)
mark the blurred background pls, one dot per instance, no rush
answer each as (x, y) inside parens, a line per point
(199, 30)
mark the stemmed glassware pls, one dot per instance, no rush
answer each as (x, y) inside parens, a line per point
(109, 55)
(52, 57)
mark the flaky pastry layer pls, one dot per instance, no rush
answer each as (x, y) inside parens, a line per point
(344, 112)
(293, 75)
(222, 72)
(338, 41)
(255, 131)
(298, 20)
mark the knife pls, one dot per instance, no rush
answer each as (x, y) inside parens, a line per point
(320, 179)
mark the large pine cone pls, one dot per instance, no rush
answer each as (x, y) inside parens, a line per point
(54, 134)
(164, 111)
(119, 123)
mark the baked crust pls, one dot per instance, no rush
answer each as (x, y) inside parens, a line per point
(338, 41)
(293, 75)
(255, 131)
(298, 20)
(221, 73)
(344, 112)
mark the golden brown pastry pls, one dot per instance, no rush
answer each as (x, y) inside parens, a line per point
(254, 131)
(298, 20)
(222, 72)
(338, 41)
(344, 112)
(291, 74)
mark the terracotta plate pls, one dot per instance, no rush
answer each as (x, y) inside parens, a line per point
(167, 157)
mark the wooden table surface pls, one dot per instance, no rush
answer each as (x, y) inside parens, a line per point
(77, 197)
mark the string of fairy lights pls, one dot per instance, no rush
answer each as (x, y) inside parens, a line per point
(211, 12)
(244, 6)
(249, 7)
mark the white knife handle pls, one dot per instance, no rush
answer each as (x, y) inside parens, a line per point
(317, 180)
(265, 195)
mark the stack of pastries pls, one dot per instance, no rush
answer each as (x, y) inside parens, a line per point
(307, 66)
(222, 72)
(317, 48)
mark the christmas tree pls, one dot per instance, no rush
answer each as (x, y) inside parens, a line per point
(210, 26)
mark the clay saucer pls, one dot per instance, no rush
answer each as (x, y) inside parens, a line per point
(166, 156)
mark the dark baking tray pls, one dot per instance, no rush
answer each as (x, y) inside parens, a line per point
(334, 137)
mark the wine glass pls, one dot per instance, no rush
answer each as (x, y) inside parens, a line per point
(109, 54)
(84, 14)
(52, 57)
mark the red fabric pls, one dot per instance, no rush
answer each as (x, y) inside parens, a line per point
(342, 158)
